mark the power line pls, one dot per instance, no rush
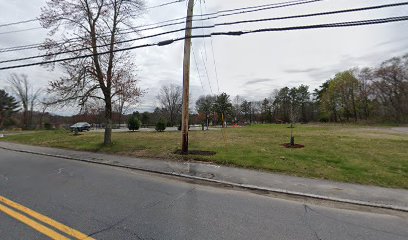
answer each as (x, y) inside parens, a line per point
(318, 14)
(230, 33)
(37, 19)
(213, 57)
(37, 45)
(19, 22)
(202, 24)
(134, 29)
(206, 72)
(215, 65)
(213, 26)
(270, 6)
(254, 9)
(198, 71)
(165, 4)
(87, 48)
(22, 30)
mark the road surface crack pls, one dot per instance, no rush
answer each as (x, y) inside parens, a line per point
(306, 218)
(115, 226)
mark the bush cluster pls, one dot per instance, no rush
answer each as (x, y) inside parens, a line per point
(134, 123)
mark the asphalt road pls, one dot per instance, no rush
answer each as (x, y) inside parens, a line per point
(112, 203)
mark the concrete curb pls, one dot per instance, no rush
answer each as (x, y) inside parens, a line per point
(232, 184)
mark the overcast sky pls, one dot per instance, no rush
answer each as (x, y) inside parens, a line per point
(251, 66)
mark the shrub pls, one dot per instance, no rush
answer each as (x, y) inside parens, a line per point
(161, 125)
(133, 123)
(47, 126)
(324, 119)
(9, 122)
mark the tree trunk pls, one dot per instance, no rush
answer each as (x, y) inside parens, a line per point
(108, 122)
(41, 119)
(120, 119)
(353, 102)
(2, 119)
(25, 119)
(30, 119)
(367, 113)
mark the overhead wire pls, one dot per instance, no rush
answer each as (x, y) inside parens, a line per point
(168, 22)
(198, 71)
(37, 19)
(205, 50)
(264, 6)
(21, 30)
(215, 65)
(229, 33)
(214, 62)
(206, 72)
(215, 25)
(165, 4)
(202, 24)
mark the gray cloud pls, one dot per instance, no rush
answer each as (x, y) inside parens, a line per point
(391, 42)
(259, 80)
(307, 70)
(324, 73)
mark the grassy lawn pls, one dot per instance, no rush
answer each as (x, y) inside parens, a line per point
(367, 155)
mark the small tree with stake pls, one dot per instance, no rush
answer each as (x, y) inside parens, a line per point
(294, 111)
(293, 118)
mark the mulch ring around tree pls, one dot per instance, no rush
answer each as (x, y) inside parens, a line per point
(197, 152)
(288, 145)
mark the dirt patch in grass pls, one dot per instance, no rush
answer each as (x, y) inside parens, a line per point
(288, 145)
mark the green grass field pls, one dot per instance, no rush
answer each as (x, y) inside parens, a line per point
(348, 153)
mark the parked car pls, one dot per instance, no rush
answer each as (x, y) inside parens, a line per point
(81, 126)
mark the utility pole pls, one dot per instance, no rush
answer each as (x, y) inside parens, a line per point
(186, 78)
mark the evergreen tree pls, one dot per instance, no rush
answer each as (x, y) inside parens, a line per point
(8, 106)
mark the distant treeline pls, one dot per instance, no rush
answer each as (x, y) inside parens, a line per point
(377, 94)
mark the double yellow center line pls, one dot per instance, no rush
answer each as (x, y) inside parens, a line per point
(39, 222)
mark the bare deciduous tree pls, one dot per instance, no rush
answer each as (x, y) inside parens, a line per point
(391, 87)
(170, 99)
(26, 95)
(98, 25)
(364, 77)
(236, 103)
(126, 98)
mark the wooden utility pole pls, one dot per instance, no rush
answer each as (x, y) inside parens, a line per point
(186, 78)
